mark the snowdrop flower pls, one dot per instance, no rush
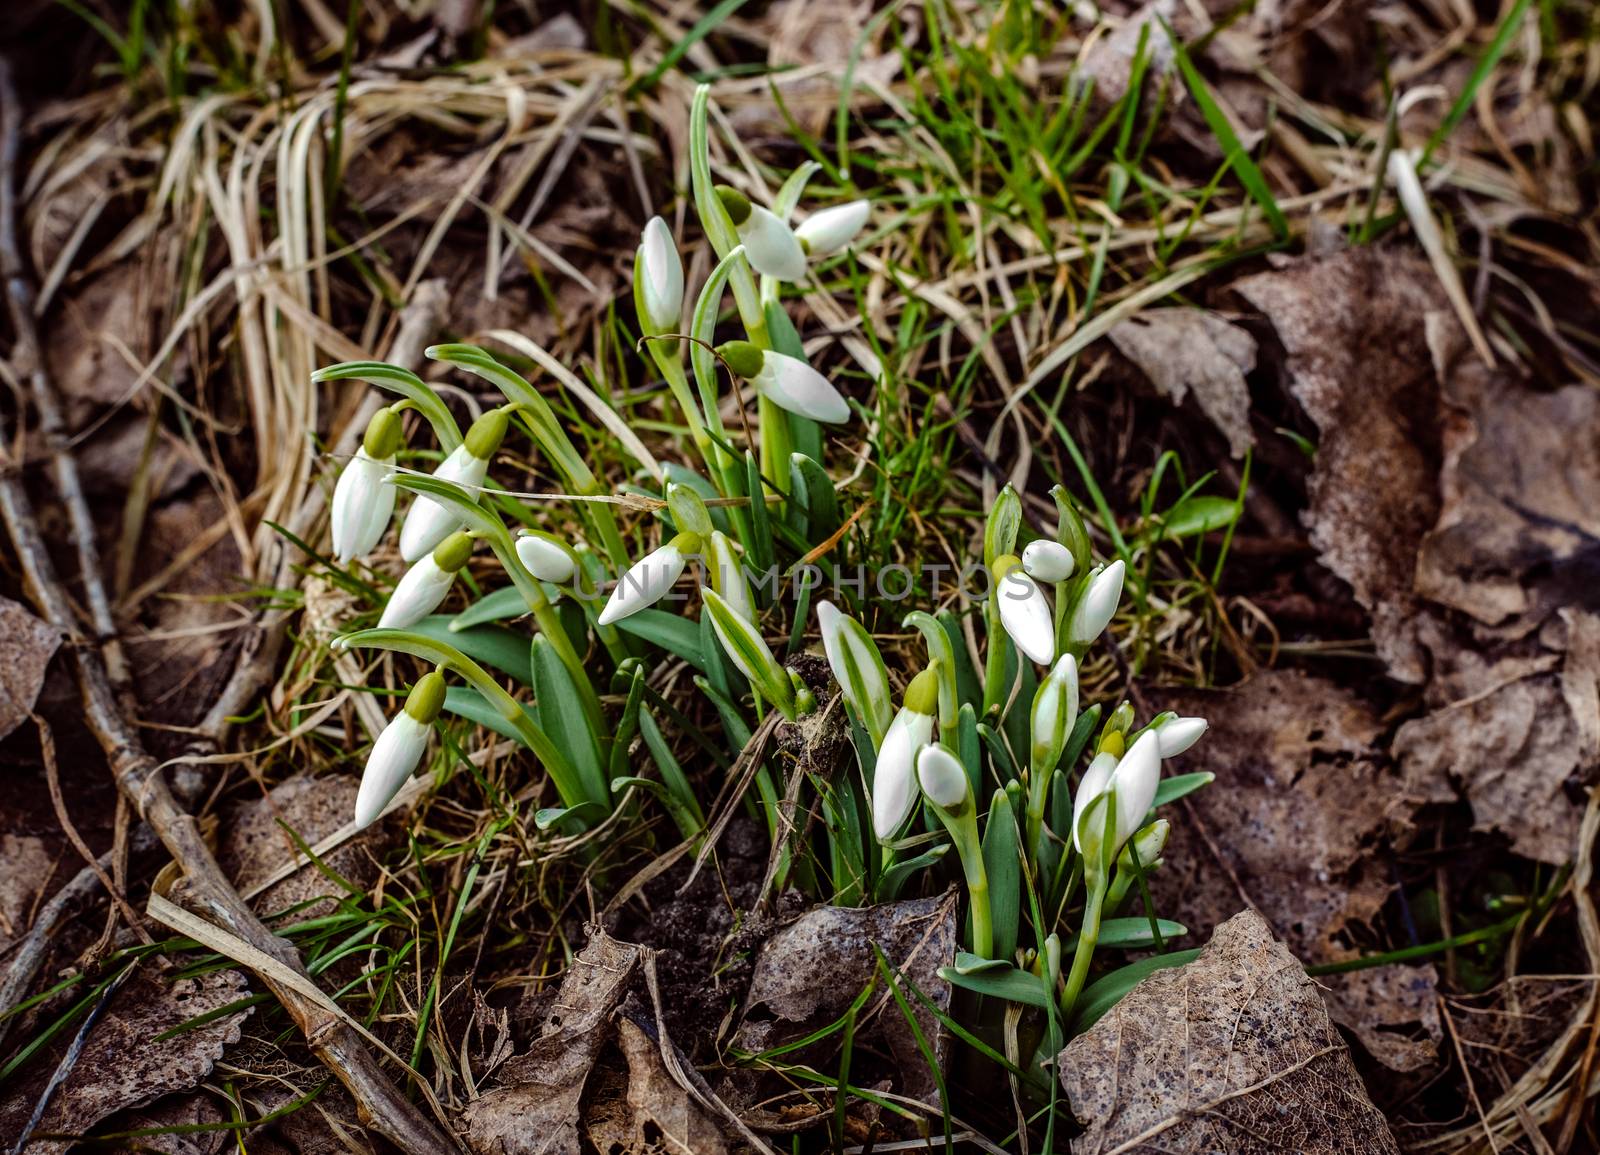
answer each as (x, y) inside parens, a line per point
(648, 579)
(399, 748)
(1055, 712)
(832, 229)
(545, 558)
(1024, 610)
(429, 522)
(1177, 734)
(1096, 604)
(769, 243)
(425, 584)
(660, 274)
(858, 668)
(787, 382)
(362, 503)
(1134, 777)
(894, 785)
(1047, 561)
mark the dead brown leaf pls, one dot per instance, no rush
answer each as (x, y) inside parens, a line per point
(1518, 740)
(101, 337)
(535, 1107)
(646, 1112)
(809, 973)
(1302, 794)
(255, 844)
(1233, 1052)
(194, 1109)
(1353, 328)
(1519, 531)
(1182, 349)
(30, 863)
(26, 647)
(126, 1061)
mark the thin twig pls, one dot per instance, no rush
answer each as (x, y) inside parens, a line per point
(138, 776)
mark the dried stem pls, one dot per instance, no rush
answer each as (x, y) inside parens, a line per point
(138, 775)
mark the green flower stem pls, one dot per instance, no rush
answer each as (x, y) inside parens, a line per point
(566, 780)
(671, 365)
(982, 919)
(1038, 795)
(994, 666)
(1083, 953)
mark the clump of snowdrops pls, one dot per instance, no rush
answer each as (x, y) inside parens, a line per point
(1047, 803)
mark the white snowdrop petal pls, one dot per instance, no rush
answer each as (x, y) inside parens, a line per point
(791, 384)
(428, 522)
(393, 760)
(1025, 614)
(663, 271)
(1135, 779)
(418, 593)
(771, 246)
(833, 228)
(545, 560)
(1098, 605)
(1047, 561)
(942, 777)
(362, 506)
(646, 582)
(1178, 734)
(894, 783)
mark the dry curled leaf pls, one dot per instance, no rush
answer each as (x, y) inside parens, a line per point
(134, 1055)
(646, 1112)
(1192, 349)
(1518, 740)
(26, 647)
(1233, 1052)
(535, 1107)
(809, 973)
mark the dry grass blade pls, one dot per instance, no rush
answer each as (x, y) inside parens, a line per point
(136, 773)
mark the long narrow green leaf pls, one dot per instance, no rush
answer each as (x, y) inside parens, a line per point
(1236, 155)
(408, 385)
(562, 716)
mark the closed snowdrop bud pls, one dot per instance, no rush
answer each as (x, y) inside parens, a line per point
(1047, 561)
(662, 272)
(425, 584)
(1094, 783)
(832, 229)
(770, 245)
(1177, 734)
(1097, 604)
(429, 522)
(858, 668)
(362, 501)
(788, 382)
(1135, 780)
(1024, 610)
(1147, 845)
(1055, 712)
(648, 579)
(943, 778)
(894, 783)
(544, 558)
(399, 748)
